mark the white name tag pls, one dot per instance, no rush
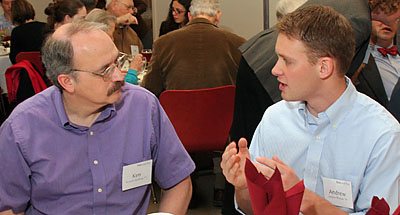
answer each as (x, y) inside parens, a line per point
(338, 192)
(136, 175)
(134, 50)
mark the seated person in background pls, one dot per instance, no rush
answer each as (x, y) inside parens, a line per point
(64, 11)
(110, 21)
(381, 72)
(6, 25)
(323, 132)
(87, 161)
(28, 35)
(124, 36)
(141, 28)
(199, 55)
(177, 16)
(213, 58)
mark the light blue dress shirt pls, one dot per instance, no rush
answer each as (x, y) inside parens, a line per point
(389, 68)
(355, 140)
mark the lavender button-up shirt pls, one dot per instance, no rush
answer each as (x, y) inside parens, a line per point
(48, 165)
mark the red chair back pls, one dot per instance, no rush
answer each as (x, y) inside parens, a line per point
(33, 57)
(202, 118)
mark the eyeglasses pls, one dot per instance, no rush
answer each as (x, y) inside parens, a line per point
(177, 10)
(128, 7)
(108, 72)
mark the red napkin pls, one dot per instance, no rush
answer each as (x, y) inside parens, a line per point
(397, 211)
(380, 207)
(268, 196)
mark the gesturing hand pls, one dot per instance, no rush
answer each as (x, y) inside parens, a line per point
(267, 167)
(233, 162)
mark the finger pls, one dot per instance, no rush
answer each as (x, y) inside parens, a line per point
(230, 150)
(279, 161)
(265, 170)
(267, 162)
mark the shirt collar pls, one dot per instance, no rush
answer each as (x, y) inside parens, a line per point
(337, 111)
(107, 112)
(201, 20)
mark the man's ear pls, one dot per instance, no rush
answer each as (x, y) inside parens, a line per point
(190, 16)
(327, 67)
(67, 82)
(218, 17)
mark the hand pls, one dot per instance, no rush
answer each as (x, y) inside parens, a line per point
(137, 63)
(127, 19)
(267, 167)
(233, 162)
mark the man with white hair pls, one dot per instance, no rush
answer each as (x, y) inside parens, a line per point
(203, 54)
(199, 55)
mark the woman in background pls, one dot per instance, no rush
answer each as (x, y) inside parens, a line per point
(177, 16)
(28, 34)
(64, 11)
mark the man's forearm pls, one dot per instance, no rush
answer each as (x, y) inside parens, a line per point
(314, 204)
(176, 200)
(243, 200)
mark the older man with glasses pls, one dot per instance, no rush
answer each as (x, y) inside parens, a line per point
(124, 36)
(90, 144)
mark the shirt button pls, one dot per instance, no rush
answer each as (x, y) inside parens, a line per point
(99, 190)
(95, 162)
(91, 133)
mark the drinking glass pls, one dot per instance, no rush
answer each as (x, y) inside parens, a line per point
(147, 54)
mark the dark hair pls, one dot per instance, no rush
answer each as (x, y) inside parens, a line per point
(57, 11)
(386, 6)
(21, 11)
(89, 4)
(170, 22)
(323, 31)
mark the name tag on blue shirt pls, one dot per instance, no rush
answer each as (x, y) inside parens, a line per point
(338, 192)
(136, 175)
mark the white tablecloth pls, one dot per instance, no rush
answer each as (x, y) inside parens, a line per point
(4, 64)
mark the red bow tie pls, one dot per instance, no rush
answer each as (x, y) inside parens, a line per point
(385, 51)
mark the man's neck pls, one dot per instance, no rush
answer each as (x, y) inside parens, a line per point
(382, 43)
(328, 96)
(79, 112)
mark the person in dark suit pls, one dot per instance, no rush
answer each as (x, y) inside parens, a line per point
(257, 89)
(378, 77)
(200, 55)
(29, 34)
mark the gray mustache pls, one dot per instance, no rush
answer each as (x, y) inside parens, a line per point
(117, 86)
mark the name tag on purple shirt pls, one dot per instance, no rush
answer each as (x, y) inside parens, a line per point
(136, 175)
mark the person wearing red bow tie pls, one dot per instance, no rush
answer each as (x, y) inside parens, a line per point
(381, 70)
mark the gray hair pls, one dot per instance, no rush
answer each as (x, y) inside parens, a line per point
(58, 53)
(204, 7)
(284, 7)
(101, 16)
